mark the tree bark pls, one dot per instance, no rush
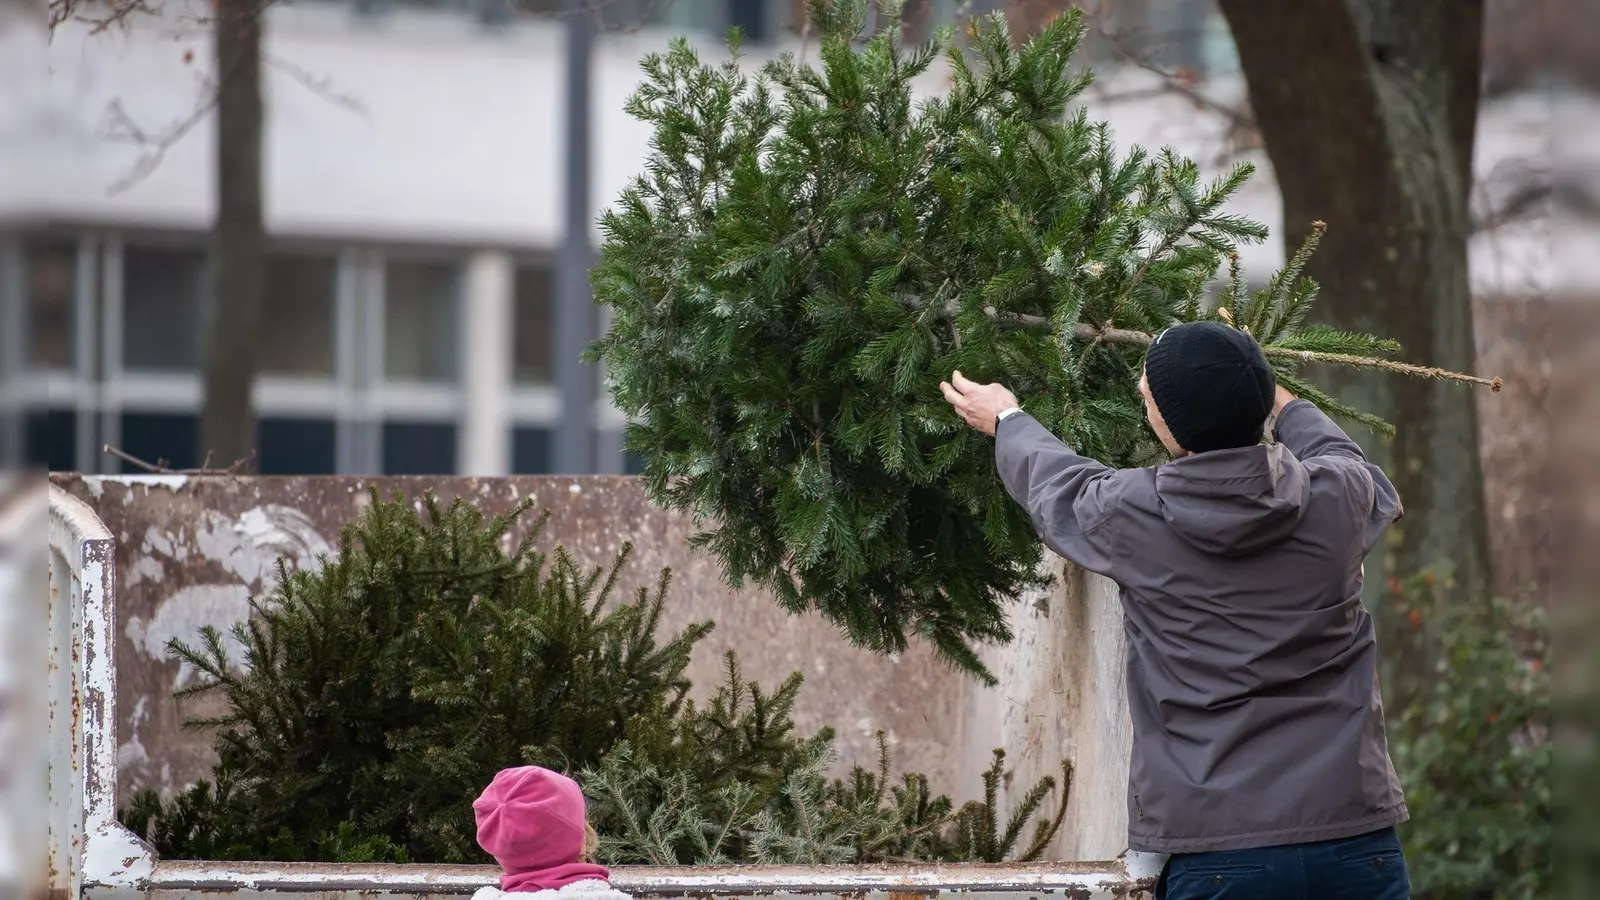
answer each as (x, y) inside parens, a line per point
(1028, 17)
(1368, 109)
(227, 416)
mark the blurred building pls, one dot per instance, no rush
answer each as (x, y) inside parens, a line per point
(415, 168)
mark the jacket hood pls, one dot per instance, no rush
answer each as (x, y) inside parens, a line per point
(1234, 502)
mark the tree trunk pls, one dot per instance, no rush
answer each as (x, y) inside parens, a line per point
(227, 417)
(1028, 17)
(1368, 109)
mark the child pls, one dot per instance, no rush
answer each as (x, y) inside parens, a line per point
(531, 820)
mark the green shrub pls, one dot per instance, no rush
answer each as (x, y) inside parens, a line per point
(1473, 748)
(730, 783)
(386, 688)
(382, 691)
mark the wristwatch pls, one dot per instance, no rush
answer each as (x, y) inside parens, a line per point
(1005, 414)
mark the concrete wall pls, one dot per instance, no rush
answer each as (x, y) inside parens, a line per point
(1062, 695)
(192, 551)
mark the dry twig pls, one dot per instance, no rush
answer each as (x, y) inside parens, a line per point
(159, 467)
(321, 85)
(116, 13)
(120, 127)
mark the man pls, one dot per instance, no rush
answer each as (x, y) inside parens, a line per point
(1260, 762)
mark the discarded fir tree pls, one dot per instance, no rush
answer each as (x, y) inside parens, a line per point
(811, 250)
(382, 689)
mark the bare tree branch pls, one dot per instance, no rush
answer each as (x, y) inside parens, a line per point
(1537, 191)
(321, 85)
(116, 13)
(1240, 132)
(159, 467)
(120, 127)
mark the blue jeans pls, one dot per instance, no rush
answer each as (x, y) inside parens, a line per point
(1366, 867)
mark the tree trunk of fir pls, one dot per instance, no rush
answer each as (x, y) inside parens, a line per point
(227, 417)
(1367, 109)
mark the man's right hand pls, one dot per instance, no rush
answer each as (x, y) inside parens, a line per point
(1284, 398)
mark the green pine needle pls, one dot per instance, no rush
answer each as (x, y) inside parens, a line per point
(813, 246)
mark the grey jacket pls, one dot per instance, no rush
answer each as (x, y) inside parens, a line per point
(1252, 665)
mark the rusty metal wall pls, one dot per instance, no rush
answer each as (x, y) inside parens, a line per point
(191, 551)
(87, 845)
(188, 552)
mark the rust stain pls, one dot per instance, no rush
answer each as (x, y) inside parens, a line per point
(1143, 889)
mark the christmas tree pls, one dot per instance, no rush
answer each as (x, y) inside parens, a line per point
(812, 249)
(382, 690)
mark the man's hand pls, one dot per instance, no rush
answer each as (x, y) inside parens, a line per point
(979, 404)
(1284, 398)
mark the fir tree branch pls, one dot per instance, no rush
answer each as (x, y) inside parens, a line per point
(1386, 365)
(773, 352)
(1085, 331)
(1047, 829)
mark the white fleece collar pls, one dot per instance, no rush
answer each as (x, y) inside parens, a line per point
(588, 889)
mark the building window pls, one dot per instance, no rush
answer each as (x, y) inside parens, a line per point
(297, 318)
(50, 439)
(422, 316)
(167, 439)
(532, 349)
(531, 451)
(295, 446)
(419, 448)
(161, 303)
(51, 268)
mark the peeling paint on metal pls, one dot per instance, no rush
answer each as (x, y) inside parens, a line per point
(115, 856)
(1078, 881)
(155, 540)
(146, 567)
(131, 753)
(249, 546)
(1141, 865)
(183, 614)
(170, 482)
(102, 852)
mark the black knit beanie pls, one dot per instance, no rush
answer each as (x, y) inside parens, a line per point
(1212, 384)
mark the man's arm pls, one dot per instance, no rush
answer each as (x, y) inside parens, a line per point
(1310, 434)
(1068, 496)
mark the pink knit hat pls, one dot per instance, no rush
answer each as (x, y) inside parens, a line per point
(530, 820)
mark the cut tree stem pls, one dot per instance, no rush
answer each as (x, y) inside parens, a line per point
(1084, 331)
